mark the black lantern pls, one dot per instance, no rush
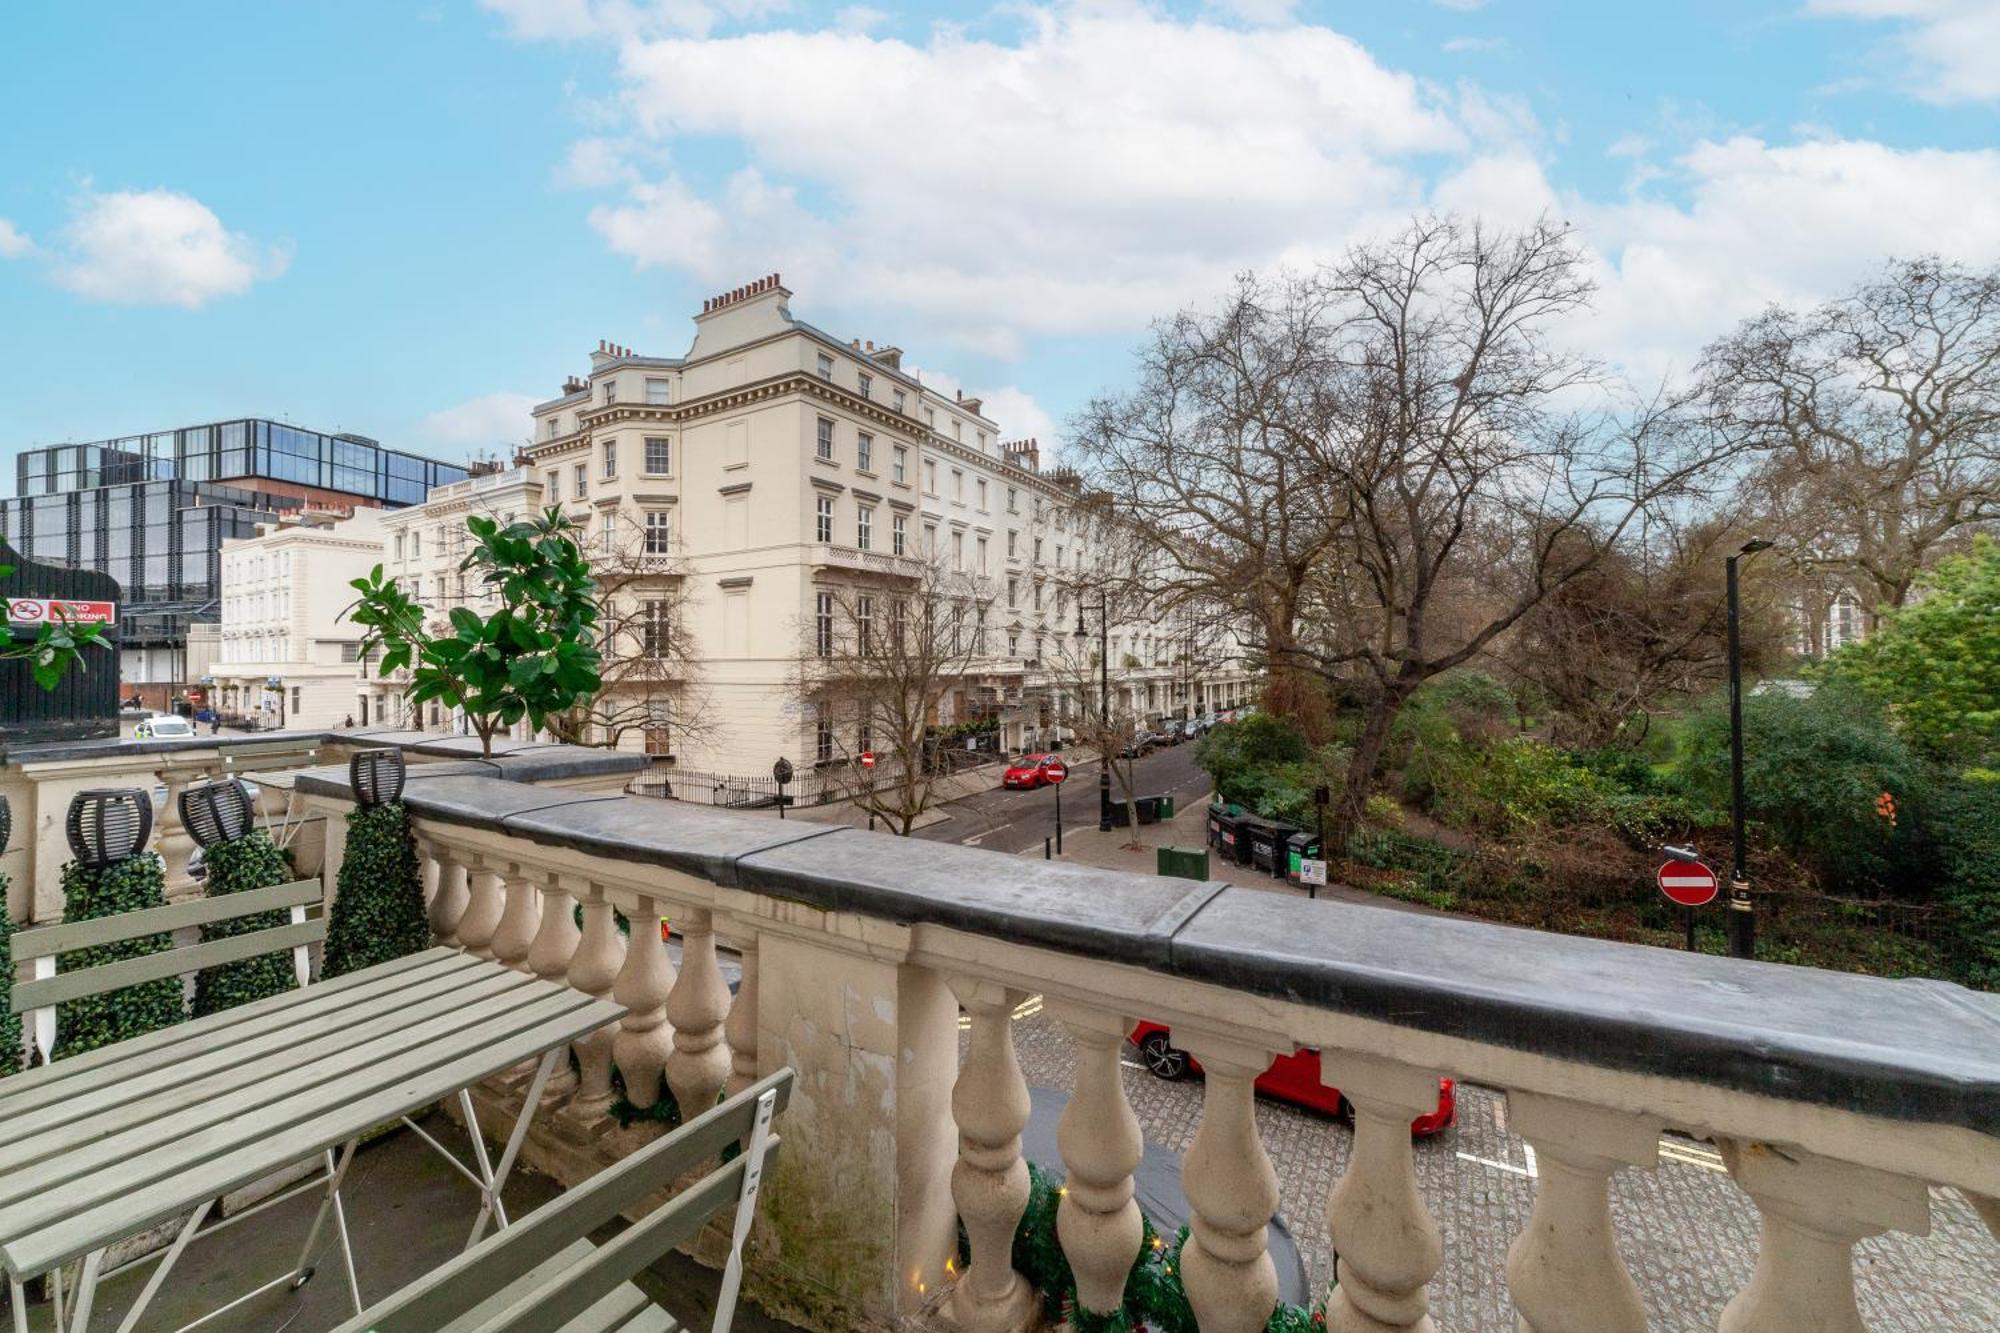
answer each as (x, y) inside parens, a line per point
(109, 824)
(216, 812)
(376, 776)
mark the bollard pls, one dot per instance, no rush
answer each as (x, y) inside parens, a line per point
(1046, 854)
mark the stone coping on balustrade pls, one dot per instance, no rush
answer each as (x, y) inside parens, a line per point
(59, 752)
(1912, 1050)
(518, 761)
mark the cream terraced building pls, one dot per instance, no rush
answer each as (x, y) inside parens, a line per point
(734, 487)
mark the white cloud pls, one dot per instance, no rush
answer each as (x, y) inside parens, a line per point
(595, 163)
(495, 420)
(158, 247)
(1474, 45)
(1014, 409)
(996, 189)
(13, 241)
(1947, 50)
(859, 18)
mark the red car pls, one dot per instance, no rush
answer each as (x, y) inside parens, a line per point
(1029, 771)
(1293, 1078)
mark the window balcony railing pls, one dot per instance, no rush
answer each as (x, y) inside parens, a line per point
(868, 562)
(1836, 1101)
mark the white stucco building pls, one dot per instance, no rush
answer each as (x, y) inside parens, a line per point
(286, 655)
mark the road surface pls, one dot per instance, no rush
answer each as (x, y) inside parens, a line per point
(1013, 821)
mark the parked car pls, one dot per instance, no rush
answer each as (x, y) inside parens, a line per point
(1029, 771)
(1173, 731)
(163, 727)
(1142, 742)
(1293, 1078)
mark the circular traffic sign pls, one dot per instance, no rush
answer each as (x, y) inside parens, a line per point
(1057, 772)
(868, 759)
(1689, 883)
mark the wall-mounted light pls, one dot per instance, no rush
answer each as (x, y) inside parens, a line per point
(376, 776)
(109, 824)
(217, 812)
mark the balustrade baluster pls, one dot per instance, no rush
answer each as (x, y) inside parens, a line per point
(645, 981)
(485, 905)
(1813, 1210)
(697, 1008)
(1097, 1220)
(989, 1183)
(741, 1028)
(594, 968)
(549, 957)
(1387, 1243)
(1563, 1269)
(450, 897)
(515, 935)
(1232, 1192)
(175, 844)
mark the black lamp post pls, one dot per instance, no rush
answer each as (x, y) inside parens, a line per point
(1742, 910)
(1103, 702)
(107, 825)
(217, 812)
(376, 776)
(6, 827)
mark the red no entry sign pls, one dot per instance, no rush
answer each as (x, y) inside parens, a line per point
(868, 759)
(1689, 883)
(1057, 771)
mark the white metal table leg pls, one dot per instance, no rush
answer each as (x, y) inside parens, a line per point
(152, 1287)
(493, 1181)
(18, 1297)
(86, 1292)
(336, 1176)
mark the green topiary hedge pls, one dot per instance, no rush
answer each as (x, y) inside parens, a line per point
(250, 862)
(10, 1022)
(378, 911)
(98, 1020)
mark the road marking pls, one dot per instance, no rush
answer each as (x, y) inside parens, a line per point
(1692, 1154)
(1528, 1155)
(1498, 1166)
(1134, 1064)
(1028, 1008)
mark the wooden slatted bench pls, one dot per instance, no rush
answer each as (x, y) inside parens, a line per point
(543, 1275)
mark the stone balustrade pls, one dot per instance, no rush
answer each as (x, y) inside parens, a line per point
(1836, 1099)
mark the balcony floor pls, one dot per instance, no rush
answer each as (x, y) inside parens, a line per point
(407, 1212)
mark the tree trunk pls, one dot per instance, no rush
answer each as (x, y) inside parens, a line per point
(1367, 757)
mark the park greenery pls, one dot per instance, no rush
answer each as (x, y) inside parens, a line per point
(1873, 780)
(535, 656)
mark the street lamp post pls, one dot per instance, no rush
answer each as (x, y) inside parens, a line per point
(1742, 909)
(1103, 702)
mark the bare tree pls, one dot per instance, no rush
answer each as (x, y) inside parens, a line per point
(1195, 455)
(879, 657)
(651, 668)
(1880, 412)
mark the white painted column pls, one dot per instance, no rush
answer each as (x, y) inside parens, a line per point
(174, 843)
(989, 1184)
(1097, 1220)
(1564, 1270)
(1232, 1192)
(696, 1009)
(1813, 1209)
(741, 1027)
(645, 981)
(449, 898)
(520, 916)
(594, 968)
(549, 957)
(1387, 1243)
(485, 904)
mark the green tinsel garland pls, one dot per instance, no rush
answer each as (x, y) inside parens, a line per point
(10, 1022)
(378, 911)
(252, 861)
(99, 1020)
(1154, 1296)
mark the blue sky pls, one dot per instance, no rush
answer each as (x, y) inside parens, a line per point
(409, 220)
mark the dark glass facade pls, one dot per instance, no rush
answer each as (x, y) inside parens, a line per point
(240, 451)
(153, 511)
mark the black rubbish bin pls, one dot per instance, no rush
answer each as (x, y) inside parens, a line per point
(1300, 847)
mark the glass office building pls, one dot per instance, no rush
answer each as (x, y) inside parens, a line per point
(153, 511)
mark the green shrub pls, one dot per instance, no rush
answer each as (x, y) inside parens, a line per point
(1383, 810)
(1480, 707)
(250, 862)
(1967, 831)
(1814, 768)
(10, 1022)
(378, 908)
(94, 1021)
(1261, 740)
